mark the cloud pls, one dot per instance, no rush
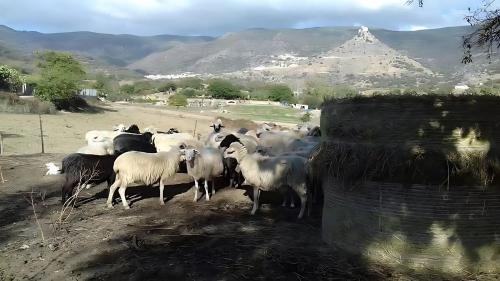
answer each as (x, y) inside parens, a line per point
(215, 17)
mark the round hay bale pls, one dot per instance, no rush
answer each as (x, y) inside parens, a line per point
(453, 230)
(413, 180)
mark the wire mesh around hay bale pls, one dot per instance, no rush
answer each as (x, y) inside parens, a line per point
(394, 169)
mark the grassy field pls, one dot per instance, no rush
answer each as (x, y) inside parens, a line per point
(264, 113)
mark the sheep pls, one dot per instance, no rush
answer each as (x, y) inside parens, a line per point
(165, 142)
(104, 135)
(271, 173)
(206, 164)
(133, 142)
(147, 168)
(104, 147)
(217, 125)
(84, 168)
(231, 169)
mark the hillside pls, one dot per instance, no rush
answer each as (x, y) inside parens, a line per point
(108, 49)
(333, 53)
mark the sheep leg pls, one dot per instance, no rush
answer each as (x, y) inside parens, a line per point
(121, 190)
(196, 187)
(112, 190)
(162, 187)
(256, 195)
(207, 197)
(284, 193)
(213, 187)
(292, 198)
(302, 192)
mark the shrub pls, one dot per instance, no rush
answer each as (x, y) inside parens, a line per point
(189, 92)
(281, 93)
(10, 79)
(12, 103)
(306, 117)
(193, 83)
(168, 87)
(312, 101)
(222, 89)
(61, 77)
(177, 100)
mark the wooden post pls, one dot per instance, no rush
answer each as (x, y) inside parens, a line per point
(195, 125)
(41, 132)
(1, 144)
(1, 175)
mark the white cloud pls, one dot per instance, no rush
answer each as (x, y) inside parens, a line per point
(215, 17)
(417, 27)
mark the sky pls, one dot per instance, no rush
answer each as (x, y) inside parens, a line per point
(216, 17)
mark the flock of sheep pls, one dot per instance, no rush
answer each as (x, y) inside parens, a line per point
(266, 159)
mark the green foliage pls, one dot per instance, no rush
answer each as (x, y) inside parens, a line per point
(127, 89)
(102, 85)
(311, 100)
(10, 79)
(60, 76)
(410, 92)
(341, 92)
(222, 89)
(177, 100)
(190, 93)
(306, 117)
(394, 91)
(281, 93)
(193, 83)
(168, 87)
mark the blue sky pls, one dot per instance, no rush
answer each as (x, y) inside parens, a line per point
(216, 17)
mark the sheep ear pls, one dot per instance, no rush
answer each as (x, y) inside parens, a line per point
(222, 126)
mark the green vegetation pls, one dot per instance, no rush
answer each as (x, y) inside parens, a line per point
(60, 77)
(306, 117)
(190, 93)
(168, 87)
(10, 79)
(264, 113)
(178, 100)
(193, 83)
(222, 89)
(281, 93)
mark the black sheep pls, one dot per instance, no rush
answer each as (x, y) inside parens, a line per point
(86, 168)
(230, 164)
(133, 142)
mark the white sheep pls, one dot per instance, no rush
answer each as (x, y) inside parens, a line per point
(146, 168)
(165, 142)
(206, 164)
(271, 173)
(104, 147)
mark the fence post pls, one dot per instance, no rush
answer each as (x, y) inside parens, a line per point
(195, 125)
(41, 132)
(1, 144)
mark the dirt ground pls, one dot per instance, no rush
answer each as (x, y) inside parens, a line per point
(183, 240)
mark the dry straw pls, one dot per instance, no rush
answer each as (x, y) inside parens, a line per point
(439, 140)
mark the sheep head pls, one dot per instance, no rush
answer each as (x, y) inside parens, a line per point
(190, 155)
(217, 125)
(236, 150)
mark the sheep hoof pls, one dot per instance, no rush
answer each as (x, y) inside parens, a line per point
(127, 208)
(253, 212)
(293, 205)
(110, 206)
(162, 203)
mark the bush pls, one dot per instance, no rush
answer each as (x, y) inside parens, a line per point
(177, 100)
(190, 93)
(10, 79)
(61, 77)
(168, 87)
(312, 101)
(193, 83)
(222, 89)
(281, 93)
(306, 117)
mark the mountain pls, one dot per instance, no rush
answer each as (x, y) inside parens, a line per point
(337, 54)
(114, 50)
